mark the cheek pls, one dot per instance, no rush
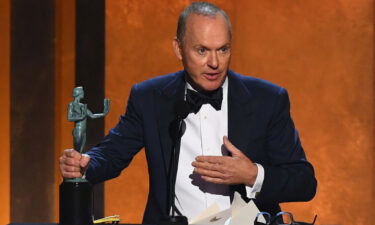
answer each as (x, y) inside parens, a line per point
(195, 63)
(196, 60)
(225, 59)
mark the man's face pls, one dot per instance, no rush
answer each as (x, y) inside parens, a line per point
(205, 51)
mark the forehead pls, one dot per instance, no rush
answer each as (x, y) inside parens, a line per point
(207, 29)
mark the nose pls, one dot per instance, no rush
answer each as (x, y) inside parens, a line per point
(213, 60)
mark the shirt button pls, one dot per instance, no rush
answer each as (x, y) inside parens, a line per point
(205, 117)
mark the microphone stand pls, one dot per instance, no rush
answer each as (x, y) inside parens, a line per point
(182, 110)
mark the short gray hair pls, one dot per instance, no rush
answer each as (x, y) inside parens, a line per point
(200, 8)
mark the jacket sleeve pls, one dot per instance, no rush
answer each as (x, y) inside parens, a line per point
(117, 149)
(289, 176)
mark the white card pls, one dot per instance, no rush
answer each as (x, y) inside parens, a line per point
(240, 213)
(218, 218)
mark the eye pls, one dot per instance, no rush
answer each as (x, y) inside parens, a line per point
(201, 51)
(224, 49)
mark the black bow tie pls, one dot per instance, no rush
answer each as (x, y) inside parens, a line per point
(196, 99)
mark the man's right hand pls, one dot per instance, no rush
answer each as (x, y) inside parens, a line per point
(73, 164)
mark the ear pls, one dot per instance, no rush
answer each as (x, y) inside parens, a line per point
(176, 48)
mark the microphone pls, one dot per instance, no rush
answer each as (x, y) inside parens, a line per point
(177, 126)
(177, 129)
(182, 109)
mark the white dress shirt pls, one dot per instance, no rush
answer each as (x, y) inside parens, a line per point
(204, 136)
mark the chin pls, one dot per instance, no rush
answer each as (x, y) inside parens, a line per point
(207, 85)
(211, 87)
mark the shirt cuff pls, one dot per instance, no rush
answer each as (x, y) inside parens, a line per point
(84, 174)
(252, 191)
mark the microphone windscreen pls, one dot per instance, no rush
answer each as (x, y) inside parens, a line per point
(182, 109)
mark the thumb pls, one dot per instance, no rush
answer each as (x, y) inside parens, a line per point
(84, 161)
(231, 148)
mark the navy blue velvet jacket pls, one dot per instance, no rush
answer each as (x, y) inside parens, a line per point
(259, 124)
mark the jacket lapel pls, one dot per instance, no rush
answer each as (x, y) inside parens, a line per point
(166, 97)
(239, 111)
(239, 118)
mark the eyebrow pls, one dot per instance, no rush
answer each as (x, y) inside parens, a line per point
(200, 45)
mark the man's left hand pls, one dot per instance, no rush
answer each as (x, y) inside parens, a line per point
(235, 169)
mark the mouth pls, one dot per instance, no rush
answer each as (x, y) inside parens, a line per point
(212, 76)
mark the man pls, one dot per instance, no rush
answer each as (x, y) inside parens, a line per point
(239, 135)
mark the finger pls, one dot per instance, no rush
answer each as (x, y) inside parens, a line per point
(66, 174)
(72, 153)
(212, 159)
(231, 148)
(66, 168)
(210, 173)
(84, 160)
(215, 180)
(208, 166)
(69, 161)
